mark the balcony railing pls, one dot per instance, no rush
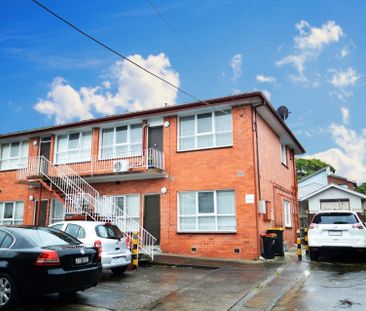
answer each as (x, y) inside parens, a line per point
(124, 162)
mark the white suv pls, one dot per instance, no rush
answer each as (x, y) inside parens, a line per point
(336, 229)
(106, 237)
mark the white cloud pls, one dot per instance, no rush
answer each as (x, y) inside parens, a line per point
(342, 79)
(313, 38)
(267, 94)
(235, 64)
(349, 157)
(308, 44)
(344, 52)
(265, 79)
(345, 115)
(127, 89)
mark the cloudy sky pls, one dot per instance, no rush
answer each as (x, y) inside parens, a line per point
(307, 55)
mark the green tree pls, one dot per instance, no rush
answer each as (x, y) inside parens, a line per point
(361, 188)
(306, 167)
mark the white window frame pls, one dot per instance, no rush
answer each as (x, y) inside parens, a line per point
(287, 213)
(197, 214)
(12, 220)
(195, 135)
(283, 154)
(125, 207)
(21, 161)
(53, 204)
(130, 151)
(80, 150)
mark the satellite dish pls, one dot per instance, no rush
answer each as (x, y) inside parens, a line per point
(283, 112)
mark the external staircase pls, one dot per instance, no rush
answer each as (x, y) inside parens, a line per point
(80, 198)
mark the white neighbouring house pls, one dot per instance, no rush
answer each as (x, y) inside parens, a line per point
(324, 190)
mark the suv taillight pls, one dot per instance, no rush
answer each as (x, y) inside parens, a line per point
(48, 258)
(357, 226)
(98, 246)
(313, 226)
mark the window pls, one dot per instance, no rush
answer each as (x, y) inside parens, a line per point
(205, 130)
(76, 231)
(11, 213)
(283, 155)
(6, 240)
(335, 204)
(57, 212)
(122, 141)
(75, 147)
(287, 213)
(13, 155)
(130, 207)
(207, 211)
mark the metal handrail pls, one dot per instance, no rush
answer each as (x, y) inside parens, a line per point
(81, 197)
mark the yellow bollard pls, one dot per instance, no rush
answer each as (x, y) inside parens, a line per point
(135, 261)
(298, 242)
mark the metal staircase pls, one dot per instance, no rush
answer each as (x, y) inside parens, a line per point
(81, 198)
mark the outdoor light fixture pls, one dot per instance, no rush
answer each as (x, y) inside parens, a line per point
(35, 142)
(166, 124)
(31, 198)
(163, 190)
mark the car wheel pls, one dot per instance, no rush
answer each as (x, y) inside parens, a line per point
(314, 255)
(119, 270)
(8, 293)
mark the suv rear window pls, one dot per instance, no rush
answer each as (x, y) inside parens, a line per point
(108, 232)
(335, 219)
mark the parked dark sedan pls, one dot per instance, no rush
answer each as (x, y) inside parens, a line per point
(41, 260)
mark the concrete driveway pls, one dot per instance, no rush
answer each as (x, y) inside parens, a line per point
(165, 288)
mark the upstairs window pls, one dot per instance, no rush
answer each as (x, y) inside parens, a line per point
(13, 155)
(121, 141)
(72, 148)
(205, 130)
(283, 154)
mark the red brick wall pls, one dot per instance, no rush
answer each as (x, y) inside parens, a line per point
(340, 181)
(277, 182)
(212, 169)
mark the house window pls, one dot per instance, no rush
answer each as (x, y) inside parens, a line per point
(122, 141)
(287, 213)
(130, 208)
(57, 212)
(72, 148)
(13, 155)
(206, 211)
(205, 130)
(334, 204)
(283, 154)
(11, 213)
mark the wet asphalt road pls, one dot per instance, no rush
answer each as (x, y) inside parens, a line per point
(335, 282)
(162, 288)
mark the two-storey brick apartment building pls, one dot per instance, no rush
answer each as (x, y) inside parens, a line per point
(205, 179)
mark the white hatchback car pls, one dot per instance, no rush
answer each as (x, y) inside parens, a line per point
(336, 230)
(107, 237)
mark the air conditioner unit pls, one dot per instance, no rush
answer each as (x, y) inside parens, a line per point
(121, 166)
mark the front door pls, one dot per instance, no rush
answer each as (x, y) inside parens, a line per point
(152, 215)
(40, 213)
(155, 138)
(44, 150)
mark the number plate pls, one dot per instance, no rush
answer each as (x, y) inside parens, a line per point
(81, 260)
(335, 233)
(116, 260)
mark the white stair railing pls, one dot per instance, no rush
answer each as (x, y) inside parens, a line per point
(82, 198)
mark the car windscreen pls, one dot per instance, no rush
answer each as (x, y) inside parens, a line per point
(335, 219)
(108, 232)
(47, 237)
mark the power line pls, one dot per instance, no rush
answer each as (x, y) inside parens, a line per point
(122, 56)
(197, 59)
